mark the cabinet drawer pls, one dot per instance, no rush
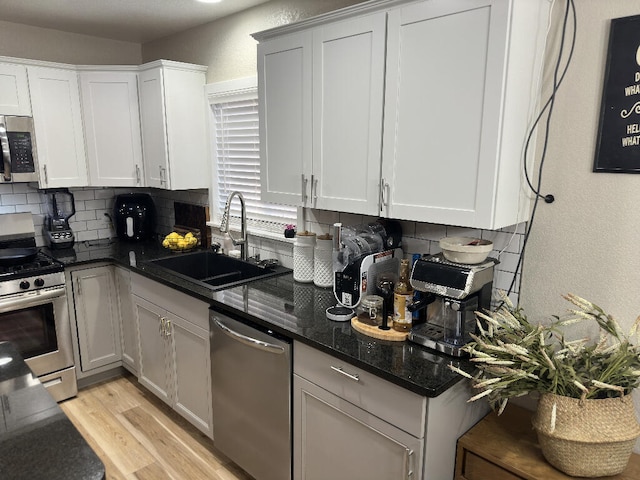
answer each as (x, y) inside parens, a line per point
(388, 401)
(477, 468)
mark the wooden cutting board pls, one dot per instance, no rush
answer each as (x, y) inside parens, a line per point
(375, 332)
(190, 216)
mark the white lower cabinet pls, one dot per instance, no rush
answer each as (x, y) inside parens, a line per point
(351, 424)
(97, 319)
(128, 332)
(174, 355)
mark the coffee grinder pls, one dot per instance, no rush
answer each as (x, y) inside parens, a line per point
(452, 293)
(61, 207)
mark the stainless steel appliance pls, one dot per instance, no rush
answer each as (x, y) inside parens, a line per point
(454, 292)
(34, 314)
(251, 371)
(18, 148)
(135, 216)
(61, 207)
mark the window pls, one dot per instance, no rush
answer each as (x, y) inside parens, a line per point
(236, 158)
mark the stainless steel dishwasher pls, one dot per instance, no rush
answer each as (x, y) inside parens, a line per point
(251, 383)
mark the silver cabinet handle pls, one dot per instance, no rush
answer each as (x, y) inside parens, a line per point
(46, 176)
(304, 189)
(314, 188)
(79, 287)
(137, 174)
(384, 188)
(167, 327)
(162, 320)
(408, 455)
(4, 143)
(163, 180)
(252, 342)
(352, 376)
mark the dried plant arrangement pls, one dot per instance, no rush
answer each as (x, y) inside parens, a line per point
(515, 357)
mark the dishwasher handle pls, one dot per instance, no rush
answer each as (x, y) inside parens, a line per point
(252, 342)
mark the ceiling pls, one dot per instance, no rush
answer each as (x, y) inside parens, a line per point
(137, 21)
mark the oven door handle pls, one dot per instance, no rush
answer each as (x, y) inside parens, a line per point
(4, 144)
(30, 299)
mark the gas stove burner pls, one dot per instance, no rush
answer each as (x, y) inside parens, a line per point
(41, 264)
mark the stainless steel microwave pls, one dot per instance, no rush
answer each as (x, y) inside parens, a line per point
(18, 147)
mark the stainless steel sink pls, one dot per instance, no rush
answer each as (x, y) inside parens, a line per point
(216, 271)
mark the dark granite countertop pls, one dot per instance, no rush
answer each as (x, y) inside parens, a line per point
(37, 440)
(290, 308)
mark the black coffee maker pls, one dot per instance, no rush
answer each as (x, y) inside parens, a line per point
(61, 207)
(134, 215)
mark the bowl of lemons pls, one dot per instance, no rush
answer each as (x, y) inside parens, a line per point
(180, 243)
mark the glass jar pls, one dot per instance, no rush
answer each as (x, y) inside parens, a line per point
(369, 311)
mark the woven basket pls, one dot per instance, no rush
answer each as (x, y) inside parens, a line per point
(589, 438)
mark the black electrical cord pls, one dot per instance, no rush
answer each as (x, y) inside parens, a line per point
(547, 106)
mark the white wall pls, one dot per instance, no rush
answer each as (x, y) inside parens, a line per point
(23, 41)
(226, 45)
(587, 241)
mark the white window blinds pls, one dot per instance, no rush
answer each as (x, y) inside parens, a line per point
(237, 163)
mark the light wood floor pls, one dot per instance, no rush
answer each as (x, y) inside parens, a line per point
(138, 437)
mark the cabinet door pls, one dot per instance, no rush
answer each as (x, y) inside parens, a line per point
(57, 117)
(154, 128)
(285, 97)
(192, 372)
(445, 64)
(334, 439)
(14, 90)
(96, 304)
(128, 325)
(112, 128)
(187, 134)
(152, 342)
(348, 91)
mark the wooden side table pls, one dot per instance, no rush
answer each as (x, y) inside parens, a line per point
(505, 447)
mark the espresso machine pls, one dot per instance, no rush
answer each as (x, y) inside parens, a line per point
(61, 207)
(451, 293)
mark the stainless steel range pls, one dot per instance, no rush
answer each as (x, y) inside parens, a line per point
(34, 315)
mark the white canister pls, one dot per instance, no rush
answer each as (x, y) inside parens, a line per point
(303, 256)
(323, 261)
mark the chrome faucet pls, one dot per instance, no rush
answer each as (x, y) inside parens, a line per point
(224, 224)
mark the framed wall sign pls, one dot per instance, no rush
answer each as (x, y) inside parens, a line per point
(618, 146)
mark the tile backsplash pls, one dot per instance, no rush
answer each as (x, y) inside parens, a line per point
(94, 210)
(94, 207)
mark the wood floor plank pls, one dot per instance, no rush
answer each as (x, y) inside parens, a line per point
(152, 472)
(111, 470)
(139, 437)
(118, 444)
(167, 447)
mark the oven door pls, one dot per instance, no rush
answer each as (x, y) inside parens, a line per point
(37, 323)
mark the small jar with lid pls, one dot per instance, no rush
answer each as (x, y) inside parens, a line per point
(369, 311)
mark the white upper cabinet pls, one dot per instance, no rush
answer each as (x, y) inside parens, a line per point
(284, 95)
(173, 122)
(348, 80)
(321, 115)
(441, 99)
(57, 118)
(14, 90)
(112, 128)
(460, 75)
